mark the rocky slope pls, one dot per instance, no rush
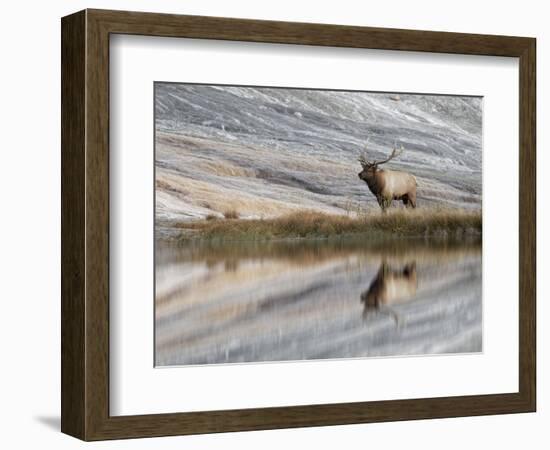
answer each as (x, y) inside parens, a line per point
(264, 152)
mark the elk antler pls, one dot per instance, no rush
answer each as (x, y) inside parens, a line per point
(394, 153)
(363, 156)
(363, 160)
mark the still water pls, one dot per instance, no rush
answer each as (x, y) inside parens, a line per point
(295, 300)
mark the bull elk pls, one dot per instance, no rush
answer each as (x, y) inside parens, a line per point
(390, 287)
(388, 185)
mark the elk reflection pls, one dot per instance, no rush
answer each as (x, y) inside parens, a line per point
(391, 286)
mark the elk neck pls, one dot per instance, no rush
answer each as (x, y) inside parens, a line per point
(373, 181)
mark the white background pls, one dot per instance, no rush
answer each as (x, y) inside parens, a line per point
(30, 237)
(138, 388)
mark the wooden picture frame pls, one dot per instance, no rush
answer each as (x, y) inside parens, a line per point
(85, 224)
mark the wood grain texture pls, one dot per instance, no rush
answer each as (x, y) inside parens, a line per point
(85, 224)
(527, 224)
(200, 27)
(97, 226)
(73, 227)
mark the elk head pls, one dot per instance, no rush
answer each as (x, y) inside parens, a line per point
(370, 167)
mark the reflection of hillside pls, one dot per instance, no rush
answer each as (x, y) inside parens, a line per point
(219, 267)
(282, 300)
(245, 261)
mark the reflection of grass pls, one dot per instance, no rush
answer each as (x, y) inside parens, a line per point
(309, 250)
(307, 224)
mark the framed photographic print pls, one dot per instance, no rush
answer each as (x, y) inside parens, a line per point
(270, 224)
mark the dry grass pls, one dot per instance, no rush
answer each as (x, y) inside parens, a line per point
(231, 214)
(308, 224)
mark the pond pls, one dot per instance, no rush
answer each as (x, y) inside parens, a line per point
(288, 300)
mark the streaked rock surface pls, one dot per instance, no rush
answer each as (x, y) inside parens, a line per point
(265, 152)
(281, 301)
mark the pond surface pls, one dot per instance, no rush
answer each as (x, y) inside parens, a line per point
(315, 299)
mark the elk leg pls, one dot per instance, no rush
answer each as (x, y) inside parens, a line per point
(382, 203)
(412, 200)
(394, 316)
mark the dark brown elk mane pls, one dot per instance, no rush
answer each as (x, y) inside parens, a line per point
(388, 185)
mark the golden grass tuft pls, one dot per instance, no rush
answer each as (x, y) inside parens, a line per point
(231, 214)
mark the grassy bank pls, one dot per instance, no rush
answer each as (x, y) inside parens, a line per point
(306, 224)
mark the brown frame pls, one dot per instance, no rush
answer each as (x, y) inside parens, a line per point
(85, 224)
